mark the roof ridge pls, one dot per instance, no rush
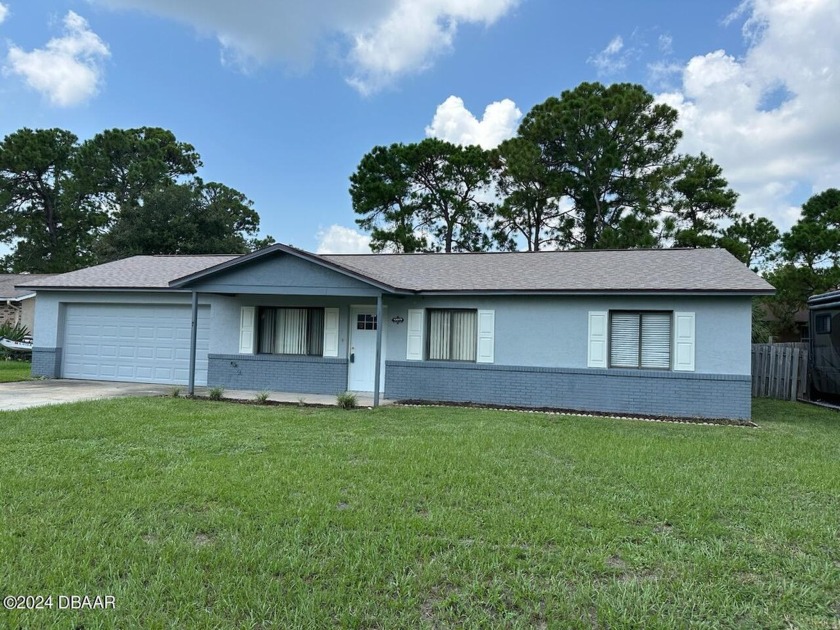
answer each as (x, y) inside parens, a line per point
(182, 256)
(543, 251)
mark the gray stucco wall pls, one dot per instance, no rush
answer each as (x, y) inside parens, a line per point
(540, 352)
(551, 331)
(618, 391)
(307, 375)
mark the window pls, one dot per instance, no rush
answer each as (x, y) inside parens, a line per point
(365, 322)
(823, 324)
(640, 340)
(452, 335)
(291, 331)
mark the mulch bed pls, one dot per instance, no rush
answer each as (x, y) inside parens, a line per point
(586, 414)
(544, 410)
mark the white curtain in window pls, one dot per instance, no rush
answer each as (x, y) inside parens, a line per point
(656, 340)
(439, 335)
(452, 335)
(624, 340)
(464, 336)
(290, 332)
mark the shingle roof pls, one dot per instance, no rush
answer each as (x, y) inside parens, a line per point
(688, 270)
(674, 270)
(137, 272)
(8, 282)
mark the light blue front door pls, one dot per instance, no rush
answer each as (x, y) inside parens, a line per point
(362, 372)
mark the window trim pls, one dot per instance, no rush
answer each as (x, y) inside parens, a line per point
(368, 321)
(259, 327)
(639, 312)
(427, 323)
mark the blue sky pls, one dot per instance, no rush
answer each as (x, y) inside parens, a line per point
(282, 99)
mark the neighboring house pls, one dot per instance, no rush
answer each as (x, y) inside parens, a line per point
(17, 306)
(798, 332)
(662, 332)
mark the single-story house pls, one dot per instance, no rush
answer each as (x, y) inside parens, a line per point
(661, 332)
(17, 306)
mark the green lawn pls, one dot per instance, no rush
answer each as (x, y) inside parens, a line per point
(211, 515)
(11, 371)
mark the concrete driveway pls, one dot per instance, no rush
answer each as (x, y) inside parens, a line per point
(26, 394)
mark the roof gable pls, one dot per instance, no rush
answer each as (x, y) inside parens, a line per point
(298, 268)
(280, 273)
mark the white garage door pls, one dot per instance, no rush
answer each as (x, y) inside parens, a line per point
(133, 342)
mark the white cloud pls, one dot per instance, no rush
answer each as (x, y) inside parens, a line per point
(338, 239)
(666, 44)
(610, 59)
(412, 34)
(456, 124)
(769, 151)
(4, 11)
(380, 40)
(68, 70)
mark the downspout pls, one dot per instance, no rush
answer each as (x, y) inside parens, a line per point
(378, 368)
(193, 336)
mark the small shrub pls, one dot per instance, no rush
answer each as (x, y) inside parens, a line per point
(346, 400)
(14, 332)
(216, 393)
(175, 392)
(261, 398)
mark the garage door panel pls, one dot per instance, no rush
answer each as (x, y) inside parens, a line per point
(141, 343)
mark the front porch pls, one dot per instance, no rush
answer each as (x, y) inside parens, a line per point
(286, 320)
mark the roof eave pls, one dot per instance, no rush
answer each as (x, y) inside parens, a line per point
(830, 297)
(116, 288)
(704, 292)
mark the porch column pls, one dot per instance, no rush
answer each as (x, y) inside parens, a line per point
(193, 335)
(377, 370)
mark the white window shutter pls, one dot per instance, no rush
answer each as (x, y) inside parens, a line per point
(330, 332)
(414, 347)
(684, 342)
(486, 326)
(246, 329)
(597, 348)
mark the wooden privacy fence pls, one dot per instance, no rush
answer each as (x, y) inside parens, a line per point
(780, 370)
